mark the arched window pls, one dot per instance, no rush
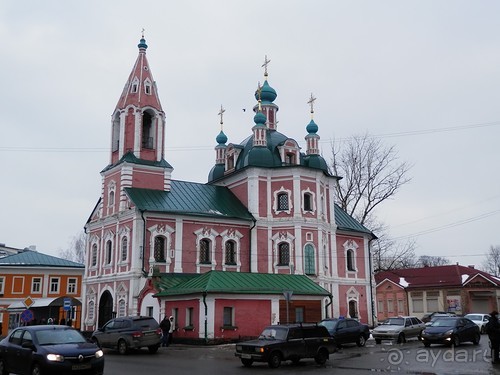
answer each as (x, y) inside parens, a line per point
(230, 253)
(94, 255)
(124, 249)
(121, 307)
(307, 202)
(282, 202)
(284, 254)
(350, 260)
(109, 251)
(159, 250)
(147, 130)
(91, 310)
(205, 251)
(309, 261)
(290, 158)
(353, 309)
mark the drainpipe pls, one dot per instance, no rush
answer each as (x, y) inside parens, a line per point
(250, 245)
(143, 242)
(206, 313)
(328, 304)
(372, 302)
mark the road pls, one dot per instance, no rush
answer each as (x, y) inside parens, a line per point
(409, 358)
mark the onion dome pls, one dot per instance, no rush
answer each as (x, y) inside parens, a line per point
(312, 127)
(260, 118)
(142, 43)
(267, 93)
(221, 138)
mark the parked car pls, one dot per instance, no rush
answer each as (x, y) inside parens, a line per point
(427, 317)
(129, 332)
(479, 319)
(345, 331)
(49, 349)
(398, 328)
(451, 331)
(437, 316)
(279, 343)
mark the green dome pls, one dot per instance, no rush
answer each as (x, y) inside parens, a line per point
(221, 138)
(142, 44)
(317, 162)
(312, 128)
(260, 118)
(216, 172)
(267, 93)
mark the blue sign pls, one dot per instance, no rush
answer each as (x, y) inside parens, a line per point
(27, 316)
(67, 304)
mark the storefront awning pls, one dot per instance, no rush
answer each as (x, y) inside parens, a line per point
(43, 302)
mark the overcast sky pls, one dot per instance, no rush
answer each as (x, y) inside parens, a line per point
(423, 76)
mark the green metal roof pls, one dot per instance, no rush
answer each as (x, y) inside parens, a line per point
(245, 283)
(346, 222)
(28, 258)
(190, 198)
(129, 157)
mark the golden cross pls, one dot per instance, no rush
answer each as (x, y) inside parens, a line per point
(221, 113)
(259, 92)
(266, 63)
(311, 102)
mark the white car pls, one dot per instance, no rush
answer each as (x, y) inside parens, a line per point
(398, 328)
(479, 319)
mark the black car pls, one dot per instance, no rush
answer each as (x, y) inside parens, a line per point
(345, 331)
(428, 317)
(47, 350)
(451, 331)
(279, 343)
(129, 332)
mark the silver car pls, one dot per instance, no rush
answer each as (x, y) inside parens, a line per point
(479, 319)
(398, 328)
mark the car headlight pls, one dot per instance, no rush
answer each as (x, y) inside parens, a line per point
(449, 333)
(99, 354)
(55, 358)
(259, 350)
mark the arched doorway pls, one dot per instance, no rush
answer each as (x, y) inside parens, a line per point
(105, 308)
(353, 309)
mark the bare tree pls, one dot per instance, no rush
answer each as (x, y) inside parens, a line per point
(432, 261)
(492, 262)
(76, 249)
(371, 174)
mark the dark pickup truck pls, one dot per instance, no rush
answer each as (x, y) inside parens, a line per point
(279, 343)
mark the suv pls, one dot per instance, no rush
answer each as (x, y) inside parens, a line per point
(398, 328)
(287, 342)
(347, 330)
(129, 332)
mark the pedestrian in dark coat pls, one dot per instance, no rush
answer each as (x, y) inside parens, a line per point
(493, 328)
(165, 329)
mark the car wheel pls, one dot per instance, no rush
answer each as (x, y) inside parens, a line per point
(36, 370)
(153, 349)
(3, 370)
(122, 347)
(321, 357)
(361, 341)
(378, 341)
(246, 362)
(455, 341)
(401, 338)
(427, 344)
(476, 339)
(274, 360)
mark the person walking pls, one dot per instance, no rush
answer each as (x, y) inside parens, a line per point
(171, 330)
(165, 329)
(493, 328)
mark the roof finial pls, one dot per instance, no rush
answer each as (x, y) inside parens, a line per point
(143, 29)
(259, 93)
(311, 103)
(221, 113)
(266, 63)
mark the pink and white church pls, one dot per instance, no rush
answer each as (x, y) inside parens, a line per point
(261, 242)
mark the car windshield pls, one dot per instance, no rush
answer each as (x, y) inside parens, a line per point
(273, 334)
(474, 317)
(329, 324)
(444, 323)
(394, 322)
(59, 336)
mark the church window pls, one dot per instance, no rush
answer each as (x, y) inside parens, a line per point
(94, 256)
(124, 249)
(307, 202)
(350, 260)
(121, 307)
(290, 158)
(109, 251)
(115, 140)
(111, 198)
(134, 87)
(282, 202)
(205, 251)
(159, 250)
(228, 317)
(147, 130)
(353, 309)
(91, 310)
(309, 261)
(230, 252)
(284, 254)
